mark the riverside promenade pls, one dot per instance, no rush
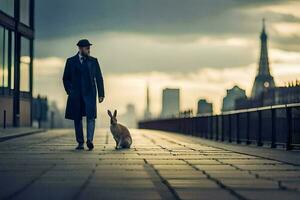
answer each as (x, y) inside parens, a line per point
(160, 165)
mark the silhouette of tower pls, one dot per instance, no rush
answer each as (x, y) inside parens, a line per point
(147, 114)
(263, 79)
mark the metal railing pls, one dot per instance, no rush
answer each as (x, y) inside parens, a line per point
(272, 125)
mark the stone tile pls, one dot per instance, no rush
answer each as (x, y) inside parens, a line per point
(121, 183)
(173, 167)
(182, 174)
(204, 194)
(279, 175)
(277, 167)
(166, 162)
(124, 194)
(250, 162)
(269, 194)
(250, 183)
(204, 162)
(291, 184)
(216, 167)
(230, 174)
(192, 183)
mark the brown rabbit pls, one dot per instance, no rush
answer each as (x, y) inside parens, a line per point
(120, 133)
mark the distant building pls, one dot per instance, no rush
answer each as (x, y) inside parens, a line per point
(129, 117)
(282, 95)
(40, 110)
(204, 107)
(230, 99)
(170, 102)
(272, 96)
(56, 118)
(263, 80)
(147, 113)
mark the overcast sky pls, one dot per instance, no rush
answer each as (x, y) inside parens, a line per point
(201, 46)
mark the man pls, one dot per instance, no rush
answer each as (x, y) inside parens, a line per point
(82, 73)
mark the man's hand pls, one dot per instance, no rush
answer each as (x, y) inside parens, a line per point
(101, 99)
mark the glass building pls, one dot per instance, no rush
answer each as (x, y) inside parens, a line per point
(16, 61)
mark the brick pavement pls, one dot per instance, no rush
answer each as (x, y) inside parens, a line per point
(159, 165)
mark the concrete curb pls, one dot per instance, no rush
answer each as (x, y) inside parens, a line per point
(25, 133)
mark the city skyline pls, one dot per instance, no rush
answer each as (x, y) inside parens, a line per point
(203, 58)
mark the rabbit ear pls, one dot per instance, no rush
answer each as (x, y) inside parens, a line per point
(115, 113)
(109, 113)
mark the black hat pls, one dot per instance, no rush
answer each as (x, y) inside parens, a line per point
(83, 43)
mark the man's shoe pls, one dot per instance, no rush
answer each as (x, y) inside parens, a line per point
(79, 147)
(90, 145)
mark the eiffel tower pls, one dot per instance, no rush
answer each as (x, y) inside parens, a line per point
(263, 79)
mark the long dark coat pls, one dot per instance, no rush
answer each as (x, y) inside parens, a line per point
(80, 84)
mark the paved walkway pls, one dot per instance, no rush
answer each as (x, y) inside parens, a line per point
(159, 166)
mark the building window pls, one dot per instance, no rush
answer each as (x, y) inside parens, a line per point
(7, 6)
(12, 64)
(24, 64)
(3, 57)
(24, 11)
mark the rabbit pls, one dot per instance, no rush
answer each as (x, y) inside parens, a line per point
(120, 133)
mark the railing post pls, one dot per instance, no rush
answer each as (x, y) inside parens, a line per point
(217, 127)
(230, 129)
(196, 127)
(259, 142)
(206, 127)
(273, 118)
(238, 128)
(52, 119)
(185, 129)
(190, 122)
(248, 128)
(222, 128)
(4, 119)
(192, 126)
(188, 126)
(205, 135)
(289, 120)
(211, 127)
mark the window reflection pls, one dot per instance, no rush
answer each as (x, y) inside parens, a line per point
(3, 57)
(24, 11)
(12, 60)
(7, 6)
(6, 53)
(24, 64)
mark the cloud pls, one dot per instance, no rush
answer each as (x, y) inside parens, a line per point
(131, 53)
(206, 82)
(172, 17)
(48, 66)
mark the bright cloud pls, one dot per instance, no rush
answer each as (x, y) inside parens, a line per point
(291, 7)
(206, 82)
(287, 29)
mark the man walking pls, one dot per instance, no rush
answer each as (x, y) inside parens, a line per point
(82, 73)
